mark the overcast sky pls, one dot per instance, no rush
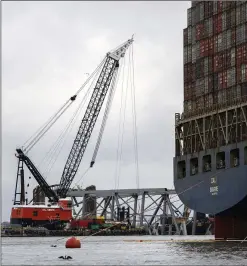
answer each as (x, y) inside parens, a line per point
(47, 48)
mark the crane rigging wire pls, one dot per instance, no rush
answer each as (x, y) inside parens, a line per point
(133, 91)
(41, 131)
(123, 128)
(63, 136)
(107, 111)
(72, 166)
(52, 155)
(119, 126)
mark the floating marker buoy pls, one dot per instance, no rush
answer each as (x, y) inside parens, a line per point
(73, 243)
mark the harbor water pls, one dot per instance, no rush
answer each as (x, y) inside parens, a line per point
(124, 250)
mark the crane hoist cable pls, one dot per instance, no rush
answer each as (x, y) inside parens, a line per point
(123, 128)
(41, 131)
(119, 126)
(55, 149)
(106, 114)
(52, 155)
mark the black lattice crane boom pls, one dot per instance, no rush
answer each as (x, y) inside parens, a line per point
(90, 117)
(106, 77)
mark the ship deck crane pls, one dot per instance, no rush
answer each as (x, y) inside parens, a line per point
(106, 79)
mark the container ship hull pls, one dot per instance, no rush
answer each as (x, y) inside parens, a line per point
(210, 163)
(217, 190)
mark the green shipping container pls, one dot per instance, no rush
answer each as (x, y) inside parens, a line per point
(94, 226)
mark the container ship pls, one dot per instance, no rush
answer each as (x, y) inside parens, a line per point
(210, 163)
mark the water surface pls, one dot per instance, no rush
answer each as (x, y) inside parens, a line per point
(124, 250)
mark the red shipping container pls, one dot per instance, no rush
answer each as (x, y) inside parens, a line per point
(219, 6)
(238, 75)
(241, 54)
(241, 73)
(199, 31)
(202, 48)
(211, 45)
(224, 79)
(218, 64)
(217, 23)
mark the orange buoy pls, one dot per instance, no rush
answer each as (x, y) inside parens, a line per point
(73, 243)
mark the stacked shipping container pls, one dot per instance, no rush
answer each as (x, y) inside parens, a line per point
(215, 54)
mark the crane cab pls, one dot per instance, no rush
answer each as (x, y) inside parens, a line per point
(48, 216)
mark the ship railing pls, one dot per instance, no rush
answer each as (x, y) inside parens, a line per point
(215, 107)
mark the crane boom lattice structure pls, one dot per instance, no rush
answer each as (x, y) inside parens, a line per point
(106, 80)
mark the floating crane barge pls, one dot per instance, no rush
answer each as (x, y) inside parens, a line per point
(59, 210)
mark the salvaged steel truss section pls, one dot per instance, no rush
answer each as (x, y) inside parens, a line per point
(146, 206)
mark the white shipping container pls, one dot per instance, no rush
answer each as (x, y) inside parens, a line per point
(233, 56)
(228, 39)
(224, 21)
(238, 18)
(220, 80)
(231, 77)
(215, 7)
(193, 53)
(185, 54)
(210, 26)
(199, 89)
(197, 50)
(189, 34)
(243, 13)
(238, 3)
(243, 72)
(205, 66)
(221, 96)
(193, 16)
(238, 92)
(209, 100)
(219, 43)
(224, 40)
(189, 21)
(189, 106)
(233, 17)
(193, 35)
(197, 13)
(240, 34)
(201, 11)
(189, 52)
(206, 85)
(200, 103)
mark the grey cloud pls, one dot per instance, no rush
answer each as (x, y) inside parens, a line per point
(47, 48)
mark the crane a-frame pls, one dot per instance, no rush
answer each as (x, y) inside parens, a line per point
(106, 80)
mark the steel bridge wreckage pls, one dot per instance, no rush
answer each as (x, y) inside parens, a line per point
(58, 209)
(153, 208)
